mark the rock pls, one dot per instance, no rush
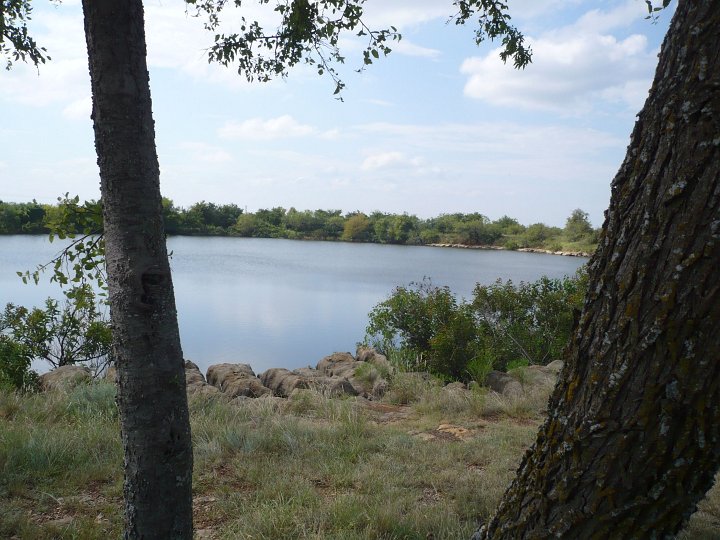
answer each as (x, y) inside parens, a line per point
(219, 372)
(339, 364)
(380, 387)
(268, 401)
(555, 366)
(333, 386)
(65, 378)
(247, 387)
(367, 380)
(308, 372)
(524, 379)
(203, 389)
(363, 353)
(538, 376)
(282, 381)
(454, 386)
(195, 382)
(236, 380)
(365, 377)
(370, 355)
(111, 374)
(504, 384)
(192, 374)
(458, 432)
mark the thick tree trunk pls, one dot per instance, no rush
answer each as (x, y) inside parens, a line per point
(151, 378)
(632, 441)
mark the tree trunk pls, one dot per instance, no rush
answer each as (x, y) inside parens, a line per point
(151, 378)
(632, 441)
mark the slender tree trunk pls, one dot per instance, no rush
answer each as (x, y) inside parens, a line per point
(632, 441)
(151, 379)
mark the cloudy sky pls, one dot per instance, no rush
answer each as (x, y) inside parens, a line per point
(439, 126)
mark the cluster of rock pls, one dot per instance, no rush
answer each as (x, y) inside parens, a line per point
(524, 250)
(514, 384)
(64, 377)
(550, 252)
(338, 374)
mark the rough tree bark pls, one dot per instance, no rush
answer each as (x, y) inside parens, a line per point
(632, 441)
(151, 378)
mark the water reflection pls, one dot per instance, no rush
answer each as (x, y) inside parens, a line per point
(281, 303)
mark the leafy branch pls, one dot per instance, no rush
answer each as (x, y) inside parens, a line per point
(15, 42)
(82, 261)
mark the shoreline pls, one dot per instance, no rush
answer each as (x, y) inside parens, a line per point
(441, 245)
(523, 250)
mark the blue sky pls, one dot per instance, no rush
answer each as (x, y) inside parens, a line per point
(439, 126)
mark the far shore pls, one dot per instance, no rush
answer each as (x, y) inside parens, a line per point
(524, 250)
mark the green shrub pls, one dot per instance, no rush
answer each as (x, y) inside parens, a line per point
(529, 322)
(15, 372)
(60, 335)
(436, 333)
(479, 367)
(425, 328)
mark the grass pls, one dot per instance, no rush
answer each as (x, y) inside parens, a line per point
(426, 462)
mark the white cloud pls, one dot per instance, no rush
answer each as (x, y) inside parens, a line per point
(80, 109)
(259, 129)
(383, 160)
(406, 13)
(573, 68)
(597, 20)
(411, 49)
(379, 102)
(330, 134)
(208, 153)
(529, 9)
(62, 79)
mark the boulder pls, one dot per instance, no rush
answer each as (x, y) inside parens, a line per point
(308, 372)
(367, 379)
(504, 384)
(217, 373)
(333, 386)
(524, 379)
(370, 355)
(380, 387)
(338, 364)
(236, 380)
(555, 366)
(539, 375)
(195, 382)
(250, 387)
(111, 374)
(65, 378)
(283, 381)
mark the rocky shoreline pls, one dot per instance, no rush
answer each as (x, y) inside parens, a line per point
(365, 376)
(524, 250)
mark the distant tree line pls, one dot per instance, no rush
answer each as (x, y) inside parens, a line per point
(204, 218)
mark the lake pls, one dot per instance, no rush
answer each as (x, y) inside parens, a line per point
(285, 303)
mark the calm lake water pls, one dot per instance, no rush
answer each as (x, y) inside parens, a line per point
(283, 303)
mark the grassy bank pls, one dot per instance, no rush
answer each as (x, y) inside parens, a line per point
(426, 462)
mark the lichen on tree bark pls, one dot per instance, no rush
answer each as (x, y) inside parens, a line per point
(632, 440)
